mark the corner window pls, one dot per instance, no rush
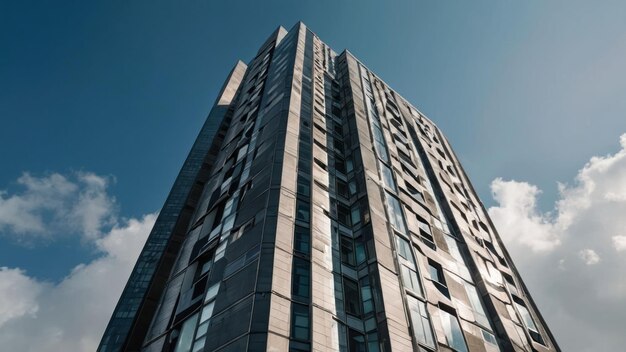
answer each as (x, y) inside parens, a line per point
(351, 297)
(342, 189)
(366, 295)
(347, 251)
(357, 341)
(344, 215)
(361, 253)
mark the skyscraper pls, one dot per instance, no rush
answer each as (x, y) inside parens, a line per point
(319, 210)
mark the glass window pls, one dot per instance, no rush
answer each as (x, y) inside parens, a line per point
(366, 295)
(361, 254)
(477, 306)
(302, 240)
(526, 317)
(417, 195)
(423, 225)
(206, 266)
(381, 151)
(420, 323)
(357, 341)
(343, 215)
(186, 335)
(489, 338)
(436, 273)
(304, 187)
(207, 312)
(199, 344)
(352, 186)
(510, 283)
(410, 279)
(212, 292)
(347, 251)
(300, 321)
(387, 177)
(221, 249)
(453, 249)
(404, 249)
(300, 286)
(452, 331)
(302, 210)
(342, 189)
(230, 206)
(338, 145)
(394, 211)
(494, 274)
(351, 297)
(349, 165)
(202, 329)
(242, 152)
(340, 165)
(355, 215)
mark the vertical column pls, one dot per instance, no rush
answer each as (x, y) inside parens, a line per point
(280, 312)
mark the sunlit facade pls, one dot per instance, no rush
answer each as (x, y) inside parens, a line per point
(319, 210)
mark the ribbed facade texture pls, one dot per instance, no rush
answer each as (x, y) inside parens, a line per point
(319, 210)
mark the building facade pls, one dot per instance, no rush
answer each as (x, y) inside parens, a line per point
(319, 210)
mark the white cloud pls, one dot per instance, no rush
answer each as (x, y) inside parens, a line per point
(18, 295)
(589, 256)
(619, 242)
(584, 301)
(70, 315)
(518, 213)
(53, 204)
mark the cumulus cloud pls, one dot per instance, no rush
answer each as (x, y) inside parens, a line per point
(589, 256)
(619, 242)
(519, 215)
(55, 203)
(70, 315)
(572, 257)
(19, 295)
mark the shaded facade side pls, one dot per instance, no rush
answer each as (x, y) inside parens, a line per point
(135, 308)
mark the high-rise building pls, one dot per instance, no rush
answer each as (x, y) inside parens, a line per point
(319, 210)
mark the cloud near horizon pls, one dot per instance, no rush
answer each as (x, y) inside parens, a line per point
(76, 204)
(69, 315)
(572, 258)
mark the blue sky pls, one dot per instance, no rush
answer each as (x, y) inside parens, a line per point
(527, 91)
